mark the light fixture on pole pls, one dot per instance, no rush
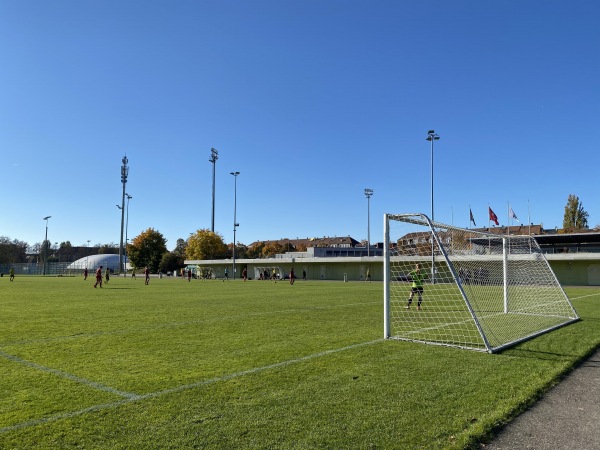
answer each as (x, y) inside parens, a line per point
(235, 224)
(129, 197)
(124, 174)
(432, 136)
(368, 194)
(45, 245)
(214, 155)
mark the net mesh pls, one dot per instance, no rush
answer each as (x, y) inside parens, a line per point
(470, 289)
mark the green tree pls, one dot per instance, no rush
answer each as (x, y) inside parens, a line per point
(14, 251)
(147, 249)
(205, 244)
(171, 262)
(575, 218)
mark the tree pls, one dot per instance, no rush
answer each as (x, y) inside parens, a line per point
(205, 244)
(147, 249)
(255, 251)
(575, 218)
(12, 251)
(173, 261)
(272, 249)
(241, 251)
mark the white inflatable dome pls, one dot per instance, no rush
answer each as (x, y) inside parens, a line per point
(92, 262)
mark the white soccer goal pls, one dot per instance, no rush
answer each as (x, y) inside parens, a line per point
(480, 291)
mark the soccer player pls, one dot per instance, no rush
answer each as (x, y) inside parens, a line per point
(98, 277)
(147, 275)
(189, 274)
(368, 277)
(85, 274)
(417, 275)
(292, 276)
(107, 275)
(11, 272)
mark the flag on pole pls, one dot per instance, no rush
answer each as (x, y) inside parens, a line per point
(493, 216)
(472, 218)
(512, 214)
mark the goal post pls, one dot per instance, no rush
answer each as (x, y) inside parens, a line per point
(465, 288)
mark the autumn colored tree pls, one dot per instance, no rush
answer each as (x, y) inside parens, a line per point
(205, 244)
(272, 249)
(147, 249)
(575, 218)
(255, 251)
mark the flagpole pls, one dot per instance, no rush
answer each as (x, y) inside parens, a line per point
(529, 222)
(508, 222)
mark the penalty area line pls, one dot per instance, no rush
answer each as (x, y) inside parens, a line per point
(134, 398)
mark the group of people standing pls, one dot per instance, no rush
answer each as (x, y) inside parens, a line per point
(99, 272)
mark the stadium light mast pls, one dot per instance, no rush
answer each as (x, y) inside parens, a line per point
(129, 197)
(432, 136)
(214, 155)
(368, 194)
(45, 245)
(235, 224)
(124, 174)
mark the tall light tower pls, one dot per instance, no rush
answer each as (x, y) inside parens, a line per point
(124, 174)
(129, 197)
(214, 155)
(45, 245)
(235, 224)
(432, 136)
(368, 194)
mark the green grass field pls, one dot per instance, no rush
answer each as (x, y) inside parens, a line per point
(252, 365)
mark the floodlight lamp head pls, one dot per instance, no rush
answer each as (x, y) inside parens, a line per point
(235, 174)
(124, 160)
(368, 192)
(46, 218)
(129, 197)
(118, 206)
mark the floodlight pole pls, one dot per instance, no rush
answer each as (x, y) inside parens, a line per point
(235, 224)
(214, 155)
(129, 197)
(124, 174)
(45, 245)
(368, 194)
(432, 136)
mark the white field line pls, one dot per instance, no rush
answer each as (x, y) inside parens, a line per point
(133, 398)
(584, 296)
(179, 324)
(62, 374)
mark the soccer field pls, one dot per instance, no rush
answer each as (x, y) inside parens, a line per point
(213, 364)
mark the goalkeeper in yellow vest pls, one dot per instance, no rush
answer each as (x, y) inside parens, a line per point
(417, 276)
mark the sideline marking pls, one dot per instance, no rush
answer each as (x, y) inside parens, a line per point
(69, 376)
(133, 397)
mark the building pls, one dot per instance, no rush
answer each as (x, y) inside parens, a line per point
(574, 258)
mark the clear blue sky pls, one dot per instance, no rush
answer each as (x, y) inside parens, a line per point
(311, 100)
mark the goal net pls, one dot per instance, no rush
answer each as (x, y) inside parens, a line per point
(464, 288)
